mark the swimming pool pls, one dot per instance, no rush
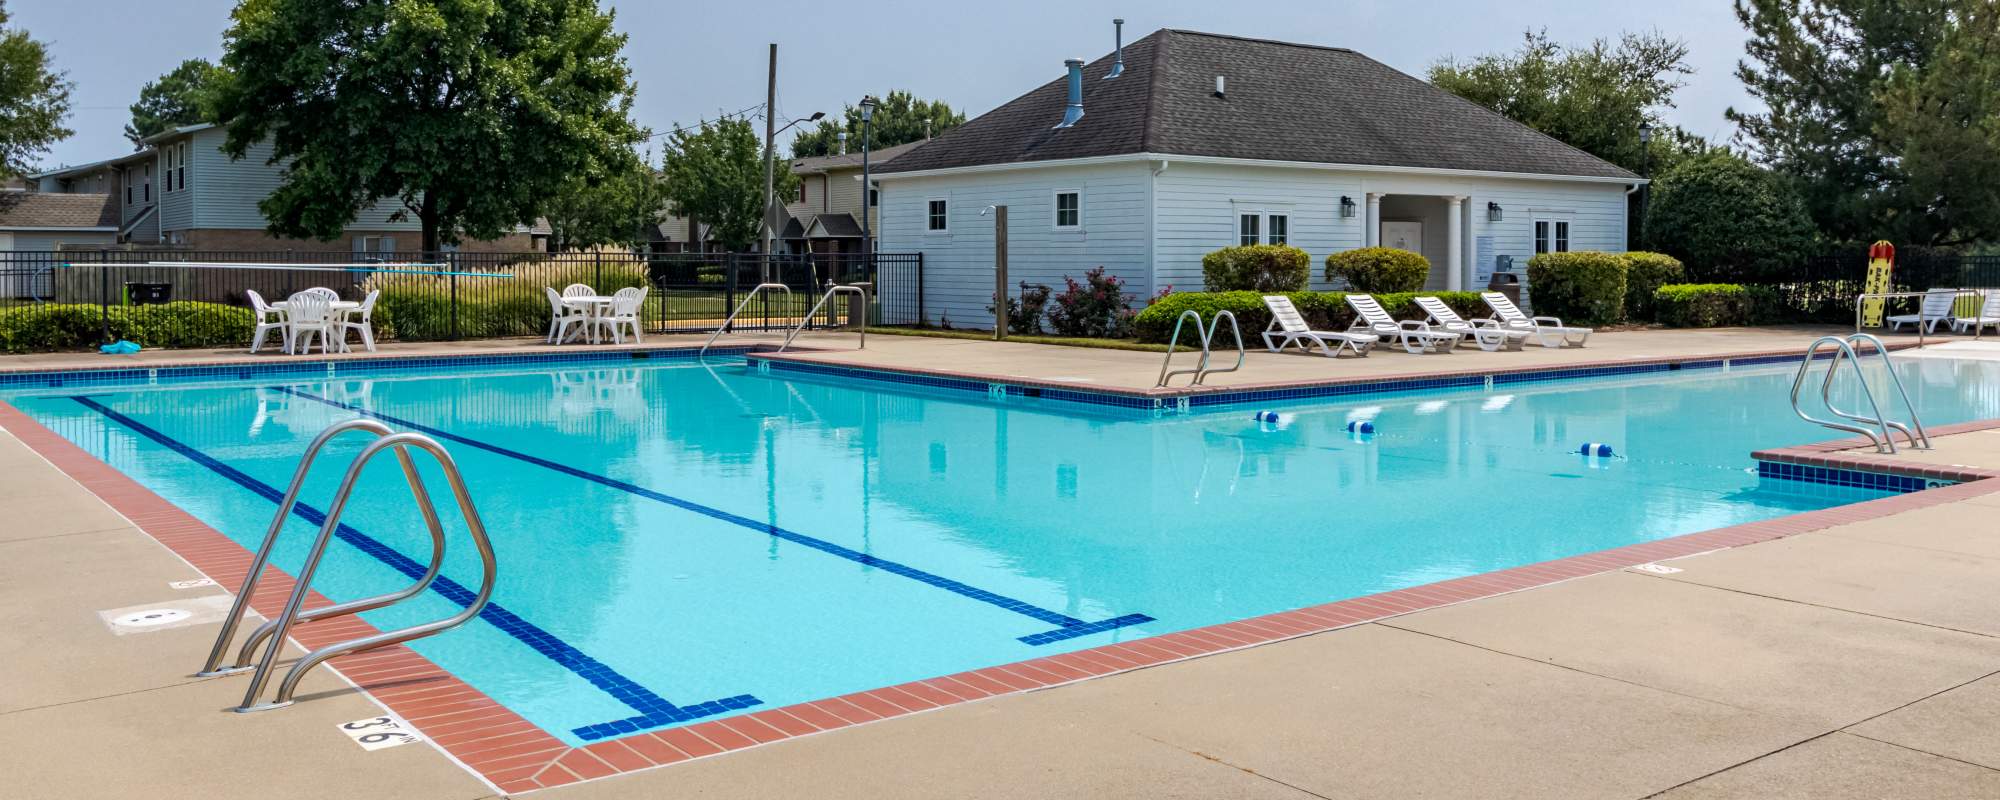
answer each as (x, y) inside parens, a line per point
(681, 542)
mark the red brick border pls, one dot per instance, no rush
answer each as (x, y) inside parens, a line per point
(517, 756)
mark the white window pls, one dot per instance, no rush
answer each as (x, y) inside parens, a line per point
(1551, 235)
(1263, 227)
(380, 245)
(1069, 208)
(937, 216)
(1247, 228)
(181, 168)
(1276, 227)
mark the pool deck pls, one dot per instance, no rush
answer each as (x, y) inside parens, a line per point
(1852, 652)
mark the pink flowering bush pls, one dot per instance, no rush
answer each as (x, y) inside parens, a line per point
(1098, 307)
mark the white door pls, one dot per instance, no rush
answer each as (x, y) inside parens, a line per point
(1403, 235)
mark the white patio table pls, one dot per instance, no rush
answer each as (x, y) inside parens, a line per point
(593, 306)
(337, 309)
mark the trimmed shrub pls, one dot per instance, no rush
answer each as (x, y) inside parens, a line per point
(1714, 305)
(1728, 219)
(1583, 287)
(418, 307)
(1256, 268)
(1327, 311)
(78, 326)
(1645, 273)
(1096, 308)
(1024, 316)
(1378, 270)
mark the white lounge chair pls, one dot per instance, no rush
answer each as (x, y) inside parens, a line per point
(562, 315)
(1291, 326)
(1548, 331)
(1989, 314)
(1489, 335)
(268, 319)
(361, 320)
(1935, 310)
(1416, 336)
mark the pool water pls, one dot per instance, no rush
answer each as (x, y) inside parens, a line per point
(679, 542)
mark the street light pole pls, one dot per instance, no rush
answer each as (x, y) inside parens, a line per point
(867, 182)
(770, 163)
(1645, 171)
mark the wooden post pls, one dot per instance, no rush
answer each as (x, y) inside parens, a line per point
(999, 273)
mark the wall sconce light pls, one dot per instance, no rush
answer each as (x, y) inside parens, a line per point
(1493, 213)
(1346, 207)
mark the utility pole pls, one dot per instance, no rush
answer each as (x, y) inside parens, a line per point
(770, 163)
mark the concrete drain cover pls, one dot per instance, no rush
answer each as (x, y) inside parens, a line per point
(152, 617)
(178, 613)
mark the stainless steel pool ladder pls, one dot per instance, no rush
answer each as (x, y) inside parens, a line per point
(1880, 434)
(830, 292)
(731, 320)
(294, 612)
(1207, 335)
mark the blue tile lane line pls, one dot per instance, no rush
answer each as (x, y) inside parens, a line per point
(654, 710)
(1068, 627)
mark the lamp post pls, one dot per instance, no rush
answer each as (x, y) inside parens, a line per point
(771, 183)
(1645, 171)
(867, 183)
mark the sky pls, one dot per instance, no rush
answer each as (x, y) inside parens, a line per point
(695, 60)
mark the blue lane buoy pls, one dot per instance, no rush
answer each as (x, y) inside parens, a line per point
(1360, 426)
(1265, 416)
(1597, 449)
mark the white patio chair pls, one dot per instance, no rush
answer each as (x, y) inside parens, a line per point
(1292, 327)
(578, 290)
(562, 315)
(1543, 329)
(322, 291)
(1415, 335)
(1485, 332)
(1935, 310)
(1989, 314)
(268, 319)
(308, 314)
(361, 320)
(624, 311)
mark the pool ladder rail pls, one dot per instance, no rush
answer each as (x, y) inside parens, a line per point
(276, 629)
(1880, 426)
(731, 319)
(831, 290)
(1206, 333)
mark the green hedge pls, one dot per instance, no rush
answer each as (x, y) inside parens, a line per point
(1256, 268)
(76, 326)
(1645, 273)
(1583, 287)
(1326, 311)
(1715, 305)
(1379, 270)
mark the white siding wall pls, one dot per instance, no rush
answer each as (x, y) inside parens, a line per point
(958, 264)
(177, 206)
(227, 191)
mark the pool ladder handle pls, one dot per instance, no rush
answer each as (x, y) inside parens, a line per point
(831, 290)
(1207, 335)
(1885, 442)
(731, 320)
(276, 629)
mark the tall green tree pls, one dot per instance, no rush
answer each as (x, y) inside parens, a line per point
(34, 99)
(713, 173)
(471, 114)
(1593, 97)
(899, 119)
(1729, 220)
(617, 208)
(178, 98)
(1882, 109)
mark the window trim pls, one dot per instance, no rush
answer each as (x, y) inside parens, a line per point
(1263, 213)
(1055, 210)
(946, 216)
(1567, 240)
(1256, 218)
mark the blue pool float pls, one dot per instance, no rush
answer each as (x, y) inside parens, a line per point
(1361, 426)
(1596, 449)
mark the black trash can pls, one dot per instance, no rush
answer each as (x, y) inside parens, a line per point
(1507, 283)
(147, 294)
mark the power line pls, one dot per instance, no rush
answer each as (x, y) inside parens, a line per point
(744, 113)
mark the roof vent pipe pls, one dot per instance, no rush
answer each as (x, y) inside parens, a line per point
(1118, 66)
(1074, 112)
(843, 143)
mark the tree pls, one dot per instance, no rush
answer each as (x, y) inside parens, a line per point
(1728, 220)
(713, 173)
(1863, 98)
(177, 98)
(614, 209)
(34, 99)
(1593, 98)
(472, 115)
(899, 119)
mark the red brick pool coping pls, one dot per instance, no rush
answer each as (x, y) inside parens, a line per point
(516, 756)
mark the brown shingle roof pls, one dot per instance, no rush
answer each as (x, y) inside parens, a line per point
(57, 210)
(1283, 102)
(876, 158)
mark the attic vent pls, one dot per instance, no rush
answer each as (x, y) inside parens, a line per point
(1218, 86)
(1118, 36)
(1074, 112)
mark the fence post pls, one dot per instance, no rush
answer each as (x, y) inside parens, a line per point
(597, 272)
(104, 296)
(922, 320)
(729, 290)
(451, 262)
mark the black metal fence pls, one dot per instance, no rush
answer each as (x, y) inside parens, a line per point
(1823, 288)
(182, 298)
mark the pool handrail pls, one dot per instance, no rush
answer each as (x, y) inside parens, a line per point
(1918, 438)
(293, 612)
(1884, 443)
(831, 290)
(1200, 332)
(1215, 326)
(731, 319)
(262, 558)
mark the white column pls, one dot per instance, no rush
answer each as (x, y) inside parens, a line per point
(1454, 224)
(1371, 234)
